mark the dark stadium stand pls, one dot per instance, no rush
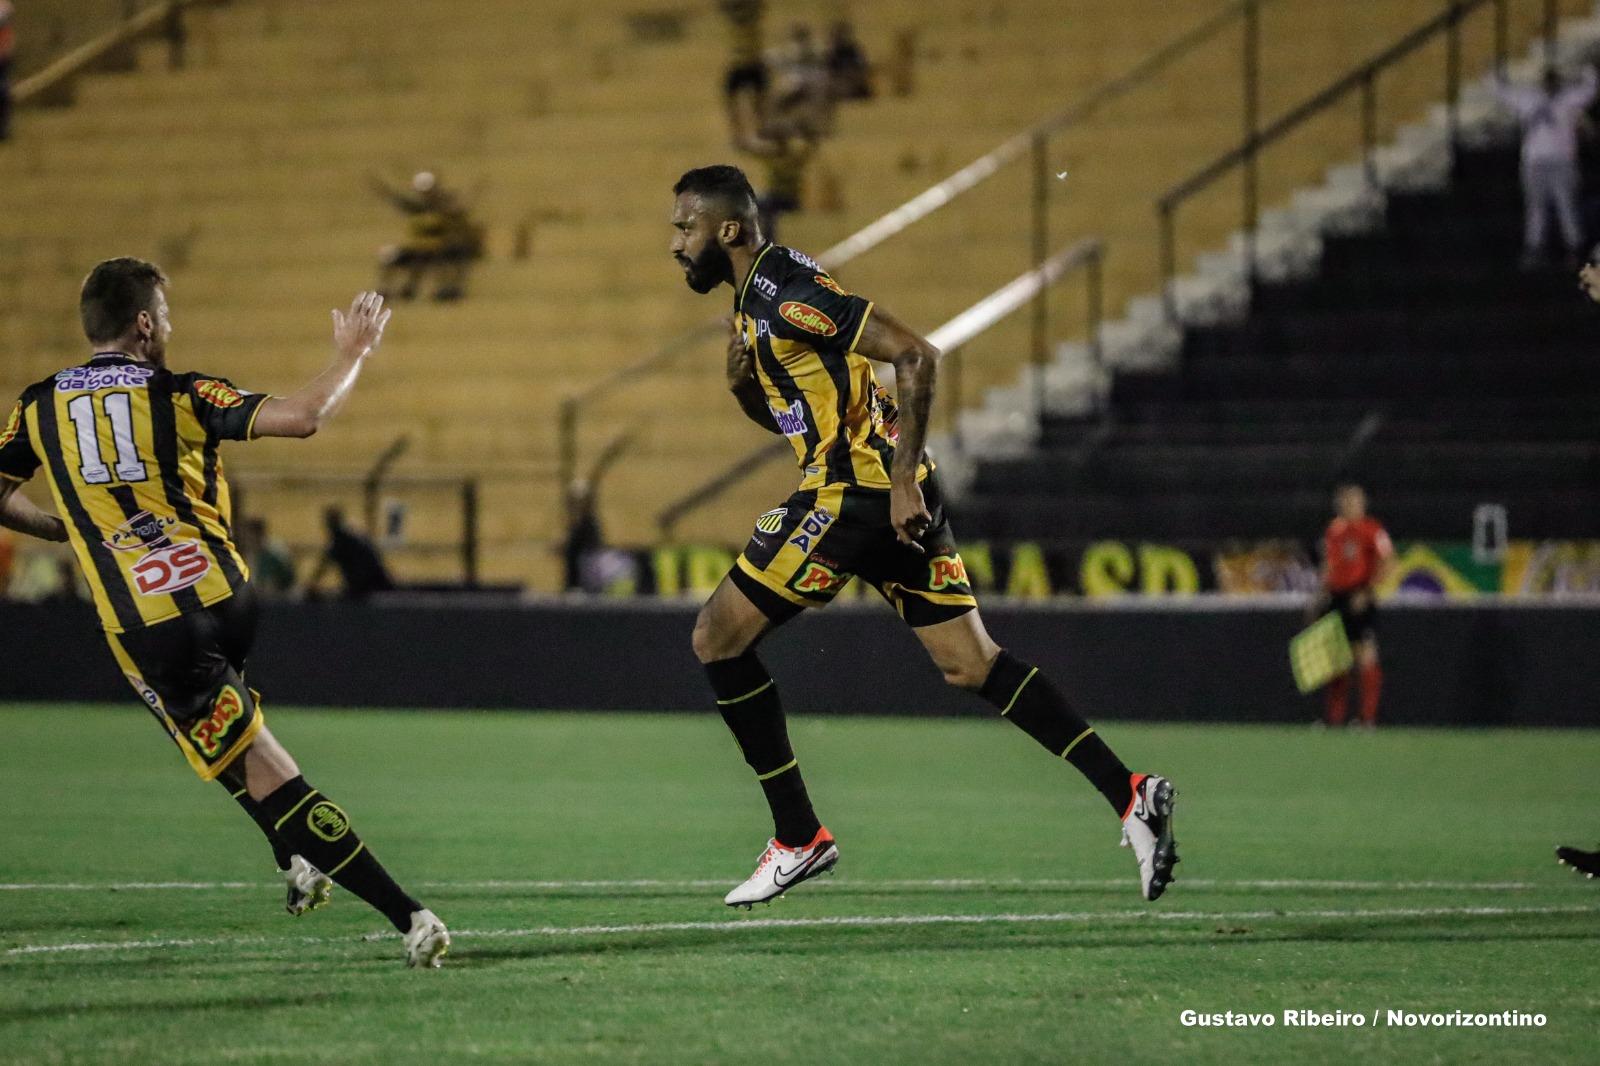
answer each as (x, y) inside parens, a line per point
(1420, 362)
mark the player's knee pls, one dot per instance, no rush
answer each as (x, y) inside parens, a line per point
(968, 674)
(711, 642)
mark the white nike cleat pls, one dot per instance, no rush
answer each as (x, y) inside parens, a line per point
(1147, 829)
(427, 940)
(781, 868)
(309, 887)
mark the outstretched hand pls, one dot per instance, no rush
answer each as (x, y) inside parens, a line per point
(358, 331)
(908, 514)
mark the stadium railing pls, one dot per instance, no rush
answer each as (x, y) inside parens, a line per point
(114, 50)
(1032, 145)
(1246, 156)
(1028, 290)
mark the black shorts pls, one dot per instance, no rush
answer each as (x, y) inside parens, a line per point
(752, 76)
(804, 552)
(1359, 624)
(190, 673)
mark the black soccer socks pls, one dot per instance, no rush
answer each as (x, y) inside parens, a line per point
(281, 851)
(314, 827)
(1031, 703)
(748, 701)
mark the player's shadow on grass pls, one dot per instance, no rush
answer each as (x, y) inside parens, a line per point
(470, 953)
(144, 1008)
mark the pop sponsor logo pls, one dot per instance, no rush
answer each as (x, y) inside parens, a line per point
(13, 426)
(143, 531)
(207, 733)
(170, 569)
(803, 259)
(816, 523)
(95, 378)
(829, 284)
(818, 579)
(807, 318)
(218, 393)
(945, 571)
(791, 423)
(328, 821)
(766, 286)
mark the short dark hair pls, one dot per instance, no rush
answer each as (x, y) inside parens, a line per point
(113, 295)
(724, 184)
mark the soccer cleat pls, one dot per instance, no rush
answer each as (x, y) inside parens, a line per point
(781, 868)
(309, 887)
(1147, 829)
(1585, 862)
(427, 940)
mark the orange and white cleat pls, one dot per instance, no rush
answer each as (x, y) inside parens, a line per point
(781, 868)
(1147, 829)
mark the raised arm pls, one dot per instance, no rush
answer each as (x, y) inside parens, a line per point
(742, 380)
(18, 513)
(916, 368)
(355, 336)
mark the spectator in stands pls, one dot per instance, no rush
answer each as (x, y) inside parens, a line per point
(849, 74)
(8, 48)
(271, 564)
(442, 238)
(584, 536)
(802, 91)
(1357, 557)
(354, 556)
(747, 69)
(1550, 118)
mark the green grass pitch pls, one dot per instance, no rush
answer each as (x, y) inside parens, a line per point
(982, 912)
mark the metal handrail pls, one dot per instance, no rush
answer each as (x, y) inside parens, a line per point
(1362, 78)
(949, 338)
(55, 84)
(1031, 141)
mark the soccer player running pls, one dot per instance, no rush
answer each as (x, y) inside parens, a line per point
(868, 505)
(1357, 555)
(130, 451)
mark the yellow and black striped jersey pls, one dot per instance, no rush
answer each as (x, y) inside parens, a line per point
(803, 329)
(130, 452)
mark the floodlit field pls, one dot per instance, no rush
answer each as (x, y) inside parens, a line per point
(981, 913)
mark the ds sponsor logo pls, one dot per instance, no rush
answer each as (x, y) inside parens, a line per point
(807, 318)
(170, 569)
(218, 393)
(328, 821)
(143, 530)
(207, 733)
(765, 286)
(816, 523)
(791, 423)
(945, 571)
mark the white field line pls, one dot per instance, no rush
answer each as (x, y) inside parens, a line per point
(843, 884)
(864, 921)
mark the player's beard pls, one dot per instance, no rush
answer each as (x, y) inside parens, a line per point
(709, 269)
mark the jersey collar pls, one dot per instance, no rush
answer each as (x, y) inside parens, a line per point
(738, 304)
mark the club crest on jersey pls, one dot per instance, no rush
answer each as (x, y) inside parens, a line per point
(945, 571)
(13, 426)
(791, 423)
(765, 286)
(143, 531)
(807, 318)
(208, 732)
(818, 579)
(829, 284)
(171, 569)
(218, 393)
(811, 529)
(772, 521)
